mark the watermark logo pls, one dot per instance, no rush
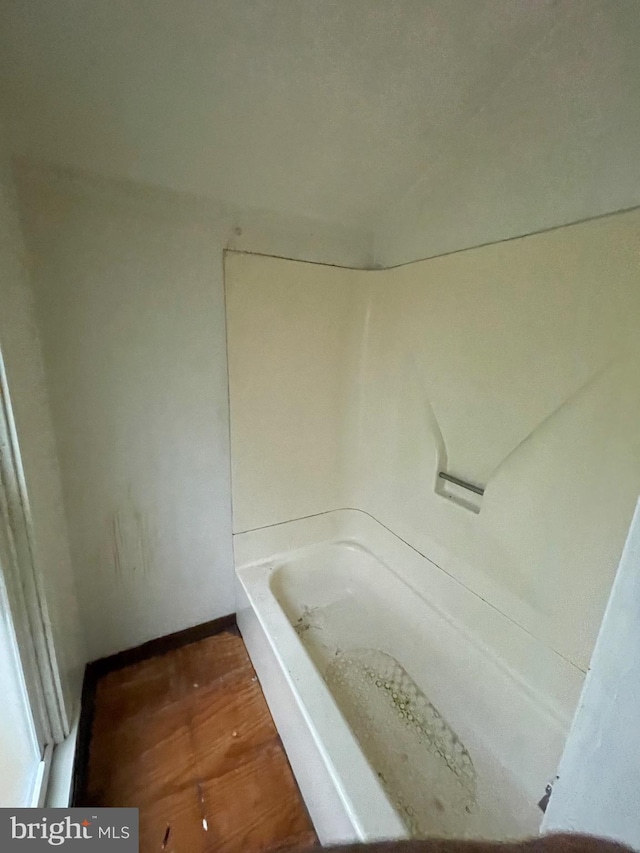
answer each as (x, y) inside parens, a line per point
(37, 830)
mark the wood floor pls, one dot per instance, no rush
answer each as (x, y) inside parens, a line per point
(188, 739)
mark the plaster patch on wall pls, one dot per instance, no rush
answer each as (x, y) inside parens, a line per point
(132, 542)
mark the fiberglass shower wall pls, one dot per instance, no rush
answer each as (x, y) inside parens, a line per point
(512, 366)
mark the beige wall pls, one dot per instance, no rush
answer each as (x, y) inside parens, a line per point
(130, 308)
(128, 287)
(289, 327)
(21, 353)
(513, 366)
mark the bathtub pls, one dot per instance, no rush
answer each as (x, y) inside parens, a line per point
(407, 705)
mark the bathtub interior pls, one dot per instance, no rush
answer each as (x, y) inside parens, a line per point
(461, 748)
(481, 711)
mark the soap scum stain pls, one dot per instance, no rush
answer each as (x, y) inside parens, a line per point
(307, 620)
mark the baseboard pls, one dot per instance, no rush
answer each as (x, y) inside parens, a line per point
(97, 669)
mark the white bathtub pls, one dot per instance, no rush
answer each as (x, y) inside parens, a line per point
(443, 716)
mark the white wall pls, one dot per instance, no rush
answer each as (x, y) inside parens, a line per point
(513, 366)
(30, 405)
(598, 789)
(128, 284)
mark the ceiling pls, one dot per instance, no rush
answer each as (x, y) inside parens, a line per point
(322, 108)
(330, 109)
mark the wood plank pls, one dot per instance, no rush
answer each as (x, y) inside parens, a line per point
(188, 739)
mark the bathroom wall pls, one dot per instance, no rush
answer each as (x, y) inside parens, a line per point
(22, 357)
(290, 334)
(512, 366)
(128, 286)
(598, 777)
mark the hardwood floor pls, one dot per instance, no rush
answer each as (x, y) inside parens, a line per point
(188, 739)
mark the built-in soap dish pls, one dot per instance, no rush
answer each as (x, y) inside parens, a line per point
(459, 491)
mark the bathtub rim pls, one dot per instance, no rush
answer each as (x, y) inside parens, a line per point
(287, 540)
(367, 808)
(280, 562)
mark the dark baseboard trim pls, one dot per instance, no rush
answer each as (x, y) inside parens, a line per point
(97, 669)
(162, 645)
(79, 776)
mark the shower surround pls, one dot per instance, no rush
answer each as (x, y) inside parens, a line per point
(422, 646)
